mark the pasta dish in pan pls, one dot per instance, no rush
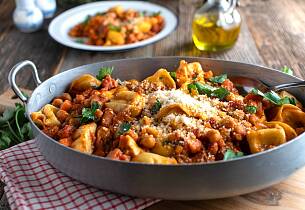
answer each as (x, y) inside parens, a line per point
(184, 116)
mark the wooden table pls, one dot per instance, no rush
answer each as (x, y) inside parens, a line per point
(272, 34)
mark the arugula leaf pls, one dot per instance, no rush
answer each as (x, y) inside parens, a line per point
(230, 154)
(123, 128)
(219, 79)
(274, 97)
(287, 70)
(104, 71)
(156, 107)
(251, 109)
(114, 28)
(173, 75)
(88, 114)
(220, 93)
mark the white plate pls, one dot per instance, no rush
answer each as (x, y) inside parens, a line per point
(61, 25)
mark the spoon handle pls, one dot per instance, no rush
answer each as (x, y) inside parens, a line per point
(288, 85)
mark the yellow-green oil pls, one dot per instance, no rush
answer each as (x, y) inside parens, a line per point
(208, 36)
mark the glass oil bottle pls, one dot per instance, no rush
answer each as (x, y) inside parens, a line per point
(216, 25)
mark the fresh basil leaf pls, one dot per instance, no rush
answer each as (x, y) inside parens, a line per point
(191, 87)
(204, 88)
(219, 79)
(274, 97)
(103, 72)
(220, 93)
(287, 100)
(173, 75)
(123, 128)
(230, 154)
(287, 70)
(156, 107)
(251, 109)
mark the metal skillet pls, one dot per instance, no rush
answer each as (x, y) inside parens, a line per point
(178, 182)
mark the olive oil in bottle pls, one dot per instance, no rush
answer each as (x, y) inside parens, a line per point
(216, 25)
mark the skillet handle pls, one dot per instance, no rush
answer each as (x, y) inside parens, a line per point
(12, 78)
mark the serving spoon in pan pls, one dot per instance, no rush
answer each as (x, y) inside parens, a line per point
(245, 84)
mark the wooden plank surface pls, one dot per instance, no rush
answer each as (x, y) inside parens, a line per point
(272, 34)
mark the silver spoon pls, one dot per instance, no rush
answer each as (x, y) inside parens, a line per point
(245, 84)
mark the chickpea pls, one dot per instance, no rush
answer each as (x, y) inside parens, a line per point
(178, 149)
(146, 121)
(66, 96)
(57, 102)
(98, 113)
(148, 141)
(214, 136)
(62, 115)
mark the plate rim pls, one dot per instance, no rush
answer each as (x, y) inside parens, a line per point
(52, 31)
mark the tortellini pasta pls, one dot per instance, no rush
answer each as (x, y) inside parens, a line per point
(263, 139)
(83, 83)
(84, 138)
(46, 116)
(126, 101)
(162, 78)
(147, 157)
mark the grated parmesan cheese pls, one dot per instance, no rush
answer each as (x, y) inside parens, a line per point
(169, 97)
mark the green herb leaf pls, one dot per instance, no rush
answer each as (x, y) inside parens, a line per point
(123, 128)
(230, 154)
(88, 114)
(103, 72)
(5, 141)
(7, 115)
(86, 21)
(219, 79)
(143, 13)
(274, 98)
(204, 88)
(156, 14)
(173, 75)
(287, 70)
(251, 109)
(114, 28)
(220, 93)
(156, 107)
(191, 87)
(80, 41)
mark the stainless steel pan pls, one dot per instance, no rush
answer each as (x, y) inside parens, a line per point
(179, 182)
